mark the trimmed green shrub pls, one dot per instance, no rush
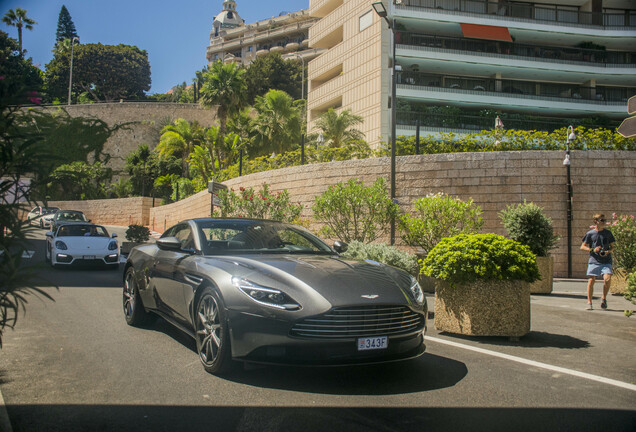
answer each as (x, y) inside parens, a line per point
(352, 211)
(467, 258)
(384, 254)
(624, 229)
(137, 233)
(438, 216)
(631, 288)
(527, 224)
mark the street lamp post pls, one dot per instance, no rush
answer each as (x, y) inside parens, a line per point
(302, 92)
(382, 12)
(70, 76)
(570, 136)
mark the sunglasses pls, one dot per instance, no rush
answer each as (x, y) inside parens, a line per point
(601, 220)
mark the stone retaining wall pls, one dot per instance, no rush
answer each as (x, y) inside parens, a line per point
(602, 182)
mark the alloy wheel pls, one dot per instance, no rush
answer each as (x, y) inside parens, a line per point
(209, 329)
(129, 295)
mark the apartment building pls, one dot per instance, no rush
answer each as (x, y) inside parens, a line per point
(231, 40)
(461, 63)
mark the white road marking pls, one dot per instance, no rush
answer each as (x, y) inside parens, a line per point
(28, 254)
(553, 368)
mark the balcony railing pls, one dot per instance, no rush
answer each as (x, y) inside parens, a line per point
(529, 11)
(549, 53)
(433, 121)
(537, 89)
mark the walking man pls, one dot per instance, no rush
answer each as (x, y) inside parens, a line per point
(599, 242)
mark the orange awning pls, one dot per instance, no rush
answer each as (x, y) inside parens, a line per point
(486, 32)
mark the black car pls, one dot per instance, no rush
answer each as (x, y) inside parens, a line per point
(272, 292)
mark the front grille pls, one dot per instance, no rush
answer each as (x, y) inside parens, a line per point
(360, 321)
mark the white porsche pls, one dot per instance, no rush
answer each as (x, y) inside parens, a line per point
(82, 244)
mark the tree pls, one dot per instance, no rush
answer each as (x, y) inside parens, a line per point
(65, 26)
(18, 19)
(179, 139)
(106, 72)
(277, 125)
(337, 128)
(79, 181)
(272, 72)
(17, 73)
(224, 87)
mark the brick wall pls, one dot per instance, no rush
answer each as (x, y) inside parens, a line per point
(602, 182)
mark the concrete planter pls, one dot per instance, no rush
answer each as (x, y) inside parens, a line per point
(483, 308)
(619, 281)
(546, 269)
(127, 246)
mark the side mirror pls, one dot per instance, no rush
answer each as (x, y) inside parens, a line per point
(169, 243)
(340, 247)
(114, 235)
(49, 234)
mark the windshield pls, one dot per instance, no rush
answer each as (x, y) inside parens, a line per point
(82, 231)
(223, 237)
(47, 210)
(71, 216)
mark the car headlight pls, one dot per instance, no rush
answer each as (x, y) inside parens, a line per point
(60, 245)
(416, 291)
(265, 296)
(112, 245)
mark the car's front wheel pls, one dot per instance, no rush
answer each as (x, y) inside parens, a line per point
(134, 310)
(212, 336)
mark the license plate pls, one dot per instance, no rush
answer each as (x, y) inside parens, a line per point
(89, 257)
(378, 342)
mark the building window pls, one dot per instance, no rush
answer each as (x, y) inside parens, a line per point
(366, 20)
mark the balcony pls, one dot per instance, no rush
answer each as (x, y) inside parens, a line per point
(561, 14)
(594, 57)
(431, 121)
(515, 88)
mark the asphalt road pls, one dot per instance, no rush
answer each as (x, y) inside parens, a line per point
(74, 364)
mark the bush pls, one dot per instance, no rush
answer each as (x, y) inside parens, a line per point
(527, 224)
(137, 233)
(438, 216)
(631, 288)
(352, 211)
(467, 258)
(259, 205)
(624, 229)
(384, 254)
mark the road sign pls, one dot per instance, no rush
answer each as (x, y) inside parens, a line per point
(628, 127)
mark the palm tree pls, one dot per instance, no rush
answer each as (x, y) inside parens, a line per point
(277, 125)
(178, 139)
(336, 128)
(18, 19)
(224, 87)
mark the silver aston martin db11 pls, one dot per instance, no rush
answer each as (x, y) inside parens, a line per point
(271, 292)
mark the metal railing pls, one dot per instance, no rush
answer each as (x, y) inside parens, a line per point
(539, 89)
(473, 122)
(550, 53)
(529, 11)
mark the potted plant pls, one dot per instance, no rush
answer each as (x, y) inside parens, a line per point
(483, 285)
(526, 224)
(136, 235)
(624, 257)
(437, 216)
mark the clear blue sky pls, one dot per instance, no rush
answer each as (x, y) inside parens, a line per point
(175, 33)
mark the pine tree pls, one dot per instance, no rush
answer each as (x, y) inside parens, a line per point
(65, 26)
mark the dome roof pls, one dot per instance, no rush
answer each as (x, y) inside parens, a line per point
(228, 18)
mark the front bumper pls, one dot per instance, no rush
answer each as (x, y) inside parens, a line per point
(66, 259)
(267, 340)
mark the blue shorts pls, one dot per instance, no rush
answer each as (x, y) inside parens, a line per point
(599, 269)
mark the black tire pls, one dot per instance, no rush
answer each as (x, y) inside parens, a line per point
(49, 256)
(212, 335)
(134, 311)
(112, 267)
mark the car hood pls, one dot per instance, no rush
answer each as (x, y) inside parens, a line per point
(338, 280)
(85, 243)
